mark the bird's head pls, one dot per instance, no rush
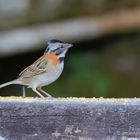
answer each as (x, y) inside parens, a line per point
(58, 47)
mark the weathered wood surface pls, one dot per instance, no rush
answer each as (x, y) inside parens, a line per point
(69, 119)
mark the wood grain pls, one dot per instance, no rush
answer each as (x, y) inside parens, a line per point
(69, 119)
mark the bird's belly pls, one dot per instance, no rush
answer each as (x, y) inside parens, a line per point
(47, 78)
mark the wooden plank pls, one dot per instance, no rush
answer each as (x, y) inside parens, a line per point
(69, 119)
(24, 12)
(72, 30)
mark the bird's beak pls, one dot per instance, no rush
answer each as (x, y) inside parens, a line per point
(69, 45)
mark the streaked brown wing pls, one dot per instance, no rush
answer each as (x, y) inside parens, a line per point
(36, 68)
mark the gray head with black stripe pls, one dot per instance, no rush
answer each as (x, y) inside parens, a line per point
(58, 47)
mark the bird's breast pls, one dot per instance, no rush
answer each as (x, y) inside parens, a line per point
(50, 76)
(52, 57)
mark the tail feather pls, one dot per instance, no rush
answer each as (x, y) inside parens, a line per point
(9, 83)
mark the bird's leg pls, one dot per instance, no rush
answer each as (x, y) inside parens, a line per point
(24, 91)
(47, 94)
(34, 89)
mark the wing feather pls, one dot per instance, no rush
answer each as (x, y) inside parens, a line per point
(36, 68)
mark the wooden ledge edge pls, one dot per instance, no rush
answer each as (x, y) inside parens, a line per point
(72, 99)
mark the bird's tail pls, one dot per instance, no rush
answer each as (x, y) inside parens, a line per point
(9, 83)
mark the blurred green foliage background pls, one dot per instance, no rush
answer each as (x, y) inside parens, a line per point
(106, 66)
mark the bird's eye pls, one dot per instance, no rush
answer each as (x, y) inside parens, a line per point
(61, 47)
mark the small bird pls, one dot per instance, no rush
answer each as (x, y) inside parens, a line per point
(45, 70)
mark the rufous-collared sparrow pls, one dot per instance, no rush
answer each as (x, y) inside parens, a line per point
(45, 70)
